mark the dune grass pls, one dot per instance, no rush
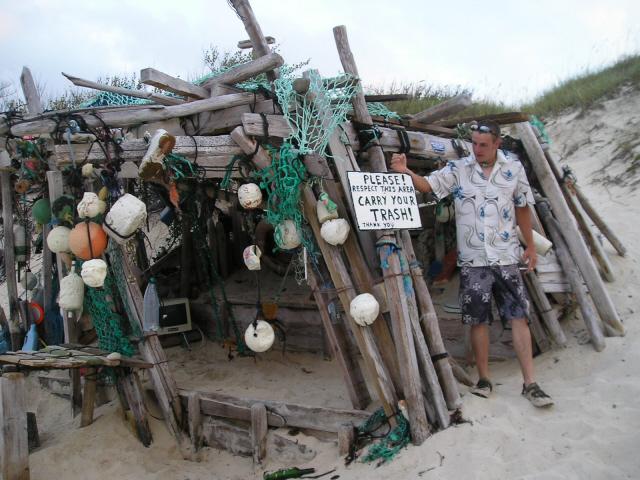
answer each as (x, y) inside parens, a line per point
(580, 91)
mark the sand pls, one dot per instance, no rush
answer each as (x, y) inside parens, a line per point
(592, 432)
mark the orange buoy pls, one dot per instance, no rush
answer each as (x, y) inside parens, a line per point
(87, 240)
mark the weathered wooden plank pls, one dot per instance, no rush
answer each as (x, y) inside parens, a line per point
(346, 439)
(195, 421)
(500, 119)
(259, 429)
(583, 259)
(248, 145)
(546, 313)
(129, 387)
(89, 396)
(415, 126)
(155, 78)
(573, 276)
(10, 261)
(127, 117)
(392, 97)
(251, 25)
(294, 415)
(452, 106)
(246, 71)
(14, 443)
(244, 44)
(30, 91)
(161, 99)
(213, 123)
(220, 434)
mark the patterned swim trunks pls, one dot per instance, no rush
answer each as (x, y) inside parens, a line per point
(504, 283)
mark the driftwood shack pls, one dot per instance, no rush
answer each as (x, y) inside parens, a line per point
(296, 142)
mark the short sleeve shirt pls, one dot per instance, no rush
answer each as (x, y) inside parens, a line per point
(485, 208)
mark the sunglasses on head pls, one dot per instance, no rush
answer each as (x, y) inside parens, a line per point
(483, 128)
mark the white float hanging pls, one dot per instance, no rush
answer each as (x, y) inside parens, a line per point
(364, 309)
(91, 205)
(94, 272)
(289, 238)
(20, 247)
(251, 256)
(124, 218)
(71, 291)
(259, 338)
(58, 239)
(249, 196)
(335, 232)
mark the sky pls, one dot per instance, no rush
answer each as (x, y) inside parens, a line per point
(505, 50)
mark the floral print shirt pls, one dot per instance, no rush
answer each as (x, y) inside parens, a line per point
(485, 208)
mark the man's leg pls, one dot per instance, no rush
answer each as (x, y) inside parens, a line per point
(522, 346)
(480, 344)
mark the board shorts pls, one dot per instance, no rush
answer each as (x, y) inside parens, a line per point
(504, 283)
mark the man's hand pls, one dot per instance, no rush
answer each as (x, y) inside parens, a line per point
(399, 163)
(529, 258)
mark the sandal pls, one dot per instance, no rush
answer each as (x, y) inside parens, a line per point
(536, 396)
(483, 388)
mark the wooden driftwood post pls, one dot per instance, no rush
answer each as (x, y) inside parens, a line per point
(438, 112)
(259, 429)
(573, 275)
(395, 289)
(10, 262)
(14, 443)
(583, 259)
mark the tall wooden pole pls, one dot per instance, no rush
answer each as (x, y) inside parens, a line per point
(583, 259)
(10, 262)
(14, 443)
(251, 25)
(395, 289)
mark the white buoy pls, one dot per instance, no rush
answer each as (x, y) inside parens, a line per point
(94, 272)
(71, 291)
(364, 309)
(540, 243)
(260, 338)
(335, 232)
(249, 195)
(91, 205)
(124, 218)
(58, 239)
(251, 256)
(87, 169)
(289, 238)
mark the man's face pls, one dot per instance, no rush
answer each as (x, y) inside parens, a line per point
(485, 146)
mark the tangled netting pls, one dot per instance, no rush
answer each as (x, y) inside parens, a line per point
(380, 110)
(392, 443)
(109, 99)
(317, 112)
(543, 131)
(282, 179)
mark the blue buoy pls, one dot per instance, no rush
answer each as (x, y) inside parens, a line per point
(31, 340)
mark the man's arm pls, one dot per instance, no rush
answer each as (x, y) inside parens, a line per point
(399, 164)
(523, 217)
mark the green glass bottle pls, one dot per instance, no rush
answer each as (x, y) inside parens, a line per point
(287, 473)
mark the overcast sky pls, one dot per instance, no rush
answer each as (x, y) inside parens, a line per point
(508, 50)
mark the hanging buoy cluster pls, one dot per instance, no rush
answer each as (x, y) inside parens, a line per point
(334, 230)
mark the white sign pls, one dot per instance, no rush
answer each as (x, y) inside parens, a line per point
(384, 201)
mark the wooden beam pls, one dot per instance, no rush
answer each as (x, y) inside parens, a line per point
(248, 145)
(245, 71)
(10, 262)
(499, 118)
(155, 78)
(546, 313)
(395, 289)
(89, 396)
(449, 107)
(195, 421)
(161, 99)
(129, 387)
(31, 95)
(583, 259)
(127, 117)
(251, 25)
(572, 274)
(392, 97)
(259, 428)
(294, 415)
(415, 126)
(14, 443)
(244, 44)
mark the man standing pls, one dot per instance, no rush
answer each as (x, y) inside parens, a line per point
(492, 196)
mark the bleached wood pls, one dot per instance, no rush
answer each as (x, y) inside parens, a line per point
(244, 44)
(346, 438)
(449, 107)
(128, 386)
(10, 262)
(30, 91)
(248, 146)
(155, 78)
(500, 119)
(126, 117)
(259, 429)
(246, 71)
(579, 250)
(258, 40)
(161, 99)
(573, 275)
(14, 443)
(89, 396)
(195, 421)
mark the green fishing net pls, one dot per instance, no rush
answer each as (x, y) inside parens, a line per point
(380, 110)
(392, 443)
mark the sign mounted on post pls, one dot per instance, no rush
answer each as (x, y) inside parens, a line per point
(384, 201)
